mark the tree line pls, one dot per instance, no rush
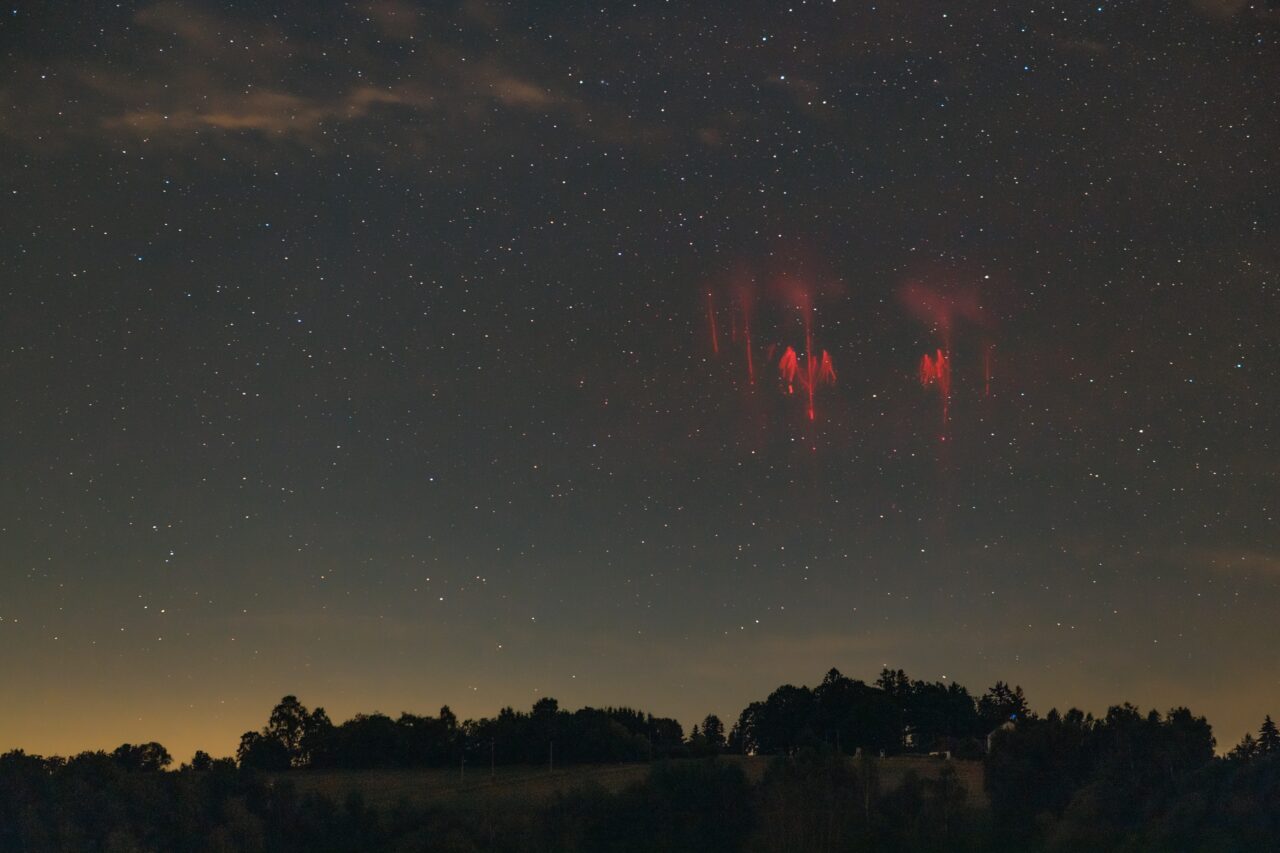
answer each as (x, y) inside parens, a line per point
(1062, 781)
(891, 716)
(296, 737)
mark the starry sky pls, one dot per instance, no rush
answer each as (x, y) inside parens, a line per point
(363, 351)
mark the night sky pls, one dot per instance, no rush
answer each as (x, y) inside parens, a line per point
(364, 351)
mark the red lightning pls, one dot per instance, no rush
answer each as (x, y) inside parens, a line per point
(806, 369)
(788, 368)
(936, 370)
(818, 371)
(827, 370)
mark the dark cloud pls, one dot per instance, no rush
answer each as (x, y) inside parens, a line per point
(207, 75)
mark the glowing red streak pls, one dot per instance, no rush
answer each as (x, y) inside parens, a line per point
(711, 318)
(746, 332)
(820, 372)
(817, 371)
(926, 370)
(936, 370)
(827, 370)
(788, 368)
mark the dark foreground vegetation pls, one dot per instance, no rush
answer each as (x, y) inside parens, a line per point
(1127, 781)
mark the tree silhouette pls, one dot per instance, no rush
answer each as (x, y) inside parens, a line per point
(297, 729)
(144, 757)
(1132, 780)
(1268, 737)
(784, 721)
(745, 730)
(713, 733)
(894, 683)
(1002, 703)
(1245, 750)
(853, 715)
(259, 752)
(665, 735)
(940, 715)
(1095, 777)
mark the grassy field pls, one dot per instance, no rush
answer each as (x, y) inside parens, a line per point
(970, 773)
(511, 785)
(384, 788)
